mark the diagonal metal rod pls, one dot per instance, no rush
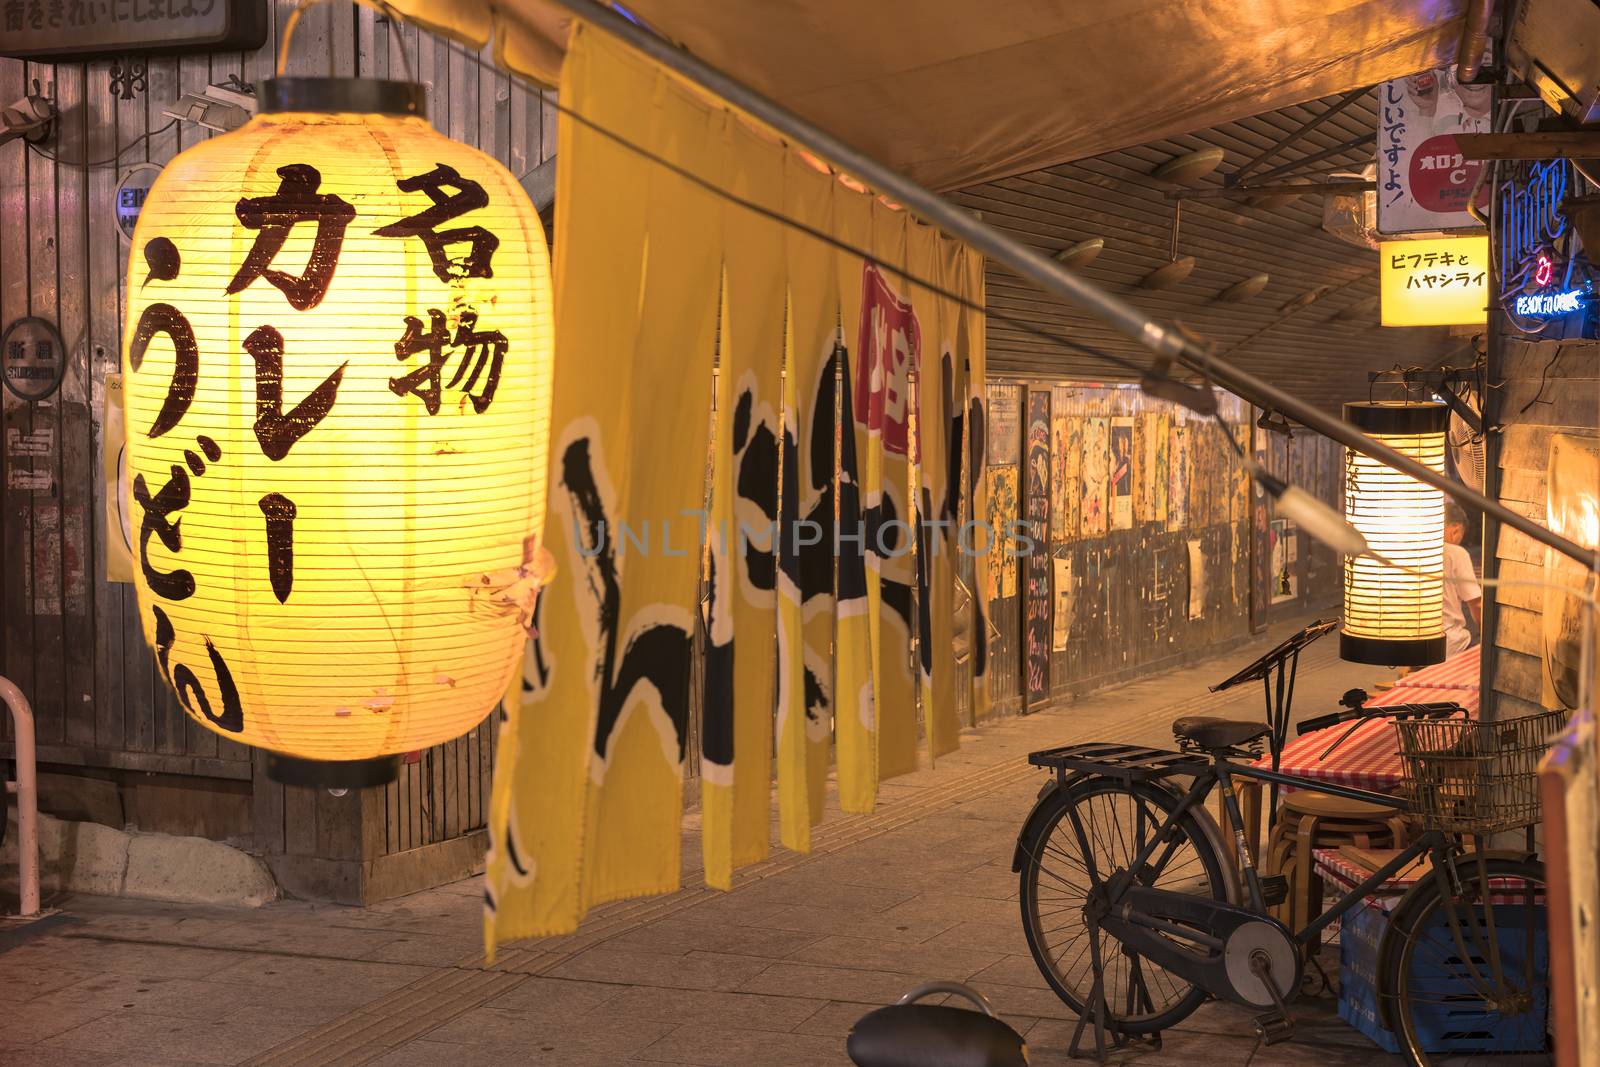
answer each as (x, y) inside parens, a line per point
(1036, 267)
(1287, 170)
(1299, 131)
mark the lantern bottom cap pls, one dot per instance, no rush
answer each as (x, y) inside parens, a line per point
(332, 774)
(1408, 652)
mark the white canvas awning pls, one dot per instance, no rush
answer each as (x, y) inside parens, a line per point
(953, 93)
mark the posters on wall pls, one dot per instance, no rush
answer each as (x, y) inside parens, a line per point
(1063, 471)
(1122, 473)
(1096, 459)
(1143, 504)
(1197, 580)
(1036, 606)
(1062, 566)
(1160, 432)
(1003, 426)
(1424, 180)
(1002, 568)
(1177, 476)
(1283, 547)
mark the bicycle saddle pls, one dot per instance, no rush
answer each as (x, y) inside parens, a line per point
(908, 1034)
(1213, 734)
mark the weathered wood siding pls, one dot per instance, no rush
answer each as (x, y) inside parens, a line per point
(1547, 388)
(72, 640)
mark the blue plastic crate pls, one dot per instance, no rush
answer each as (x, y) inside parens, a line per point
(1444, 1029)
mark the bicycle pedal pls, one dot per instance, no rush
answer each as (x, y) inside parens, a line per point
(1273, 1029)
(1274, 889)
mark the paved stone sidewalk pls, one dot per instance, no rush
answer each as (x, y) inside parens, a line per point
(773, 973)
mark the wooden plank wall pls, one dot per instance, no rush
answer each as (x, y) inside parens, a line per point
(1130, 592)
(71, 639)
(1548, 387)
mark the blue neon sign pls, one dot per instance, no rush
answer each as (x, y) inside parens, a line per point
(1550, 304)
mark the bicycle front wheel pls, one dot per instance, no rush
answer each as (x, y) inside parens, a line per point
(1094, 829)
(1467, 969)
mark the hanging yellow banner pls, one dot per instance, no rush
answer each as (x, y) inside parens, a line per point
(587, 804)
(736, 815)
(805, 581)
(888, 340)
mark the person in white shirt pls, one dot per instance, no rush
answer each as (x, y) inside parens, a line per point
(1462, 593)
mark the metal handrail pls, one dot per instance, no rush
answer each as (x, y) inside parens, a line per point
(26, 788)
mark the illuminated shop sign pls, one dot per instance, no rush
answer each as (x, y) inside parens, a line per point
(1531, 222)
(1545, 305)
(1441, 282)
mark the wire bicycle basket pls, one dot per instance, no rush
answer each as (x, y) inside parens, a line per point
(1472, 777)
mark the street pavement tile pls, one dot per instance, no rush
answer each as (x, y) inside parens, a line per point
(831, 983)
(834, 1019)
(530, 1035)
(822, 921)
(295, 979)
(722, 1047)
(431, 1053)
(137, 958)
(736, 907)
(690, 932)
(1035, 1000)
(696, 1007)
(1004, 937)
(799, 887)
(1014, 969)
(70, 1057)
(33, 1021)
(922, 961)
(23, 977)
(956, 907)
(187, 998)
(556, 998)
(163, 1037)
(423, 950)
(629, 966)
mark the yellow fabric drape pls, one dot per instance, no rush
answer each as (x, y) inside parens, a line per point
(855, 721)
(937, 513)
(888, 339)
(805, 581)
(736, 737)
(588, 796)
(587, 802)
(971, 352)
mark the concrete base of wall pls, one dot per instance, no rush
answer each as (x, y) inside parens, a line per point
(86, 857)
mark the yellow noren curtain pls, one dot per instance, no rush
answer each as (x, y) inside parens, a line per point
(588, 797)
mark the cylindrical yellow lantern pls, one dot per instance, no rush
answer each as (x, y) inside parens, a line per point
(337, 366)
(1394, 615)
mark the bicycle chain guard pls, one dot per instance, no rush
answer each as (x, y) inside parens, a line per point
(1208, 943)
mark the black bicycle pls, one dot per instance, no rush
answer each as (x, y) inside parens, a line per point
(1137, 906)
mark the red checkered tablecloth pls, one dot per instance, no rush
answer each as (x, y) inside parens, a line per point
(1458, 672)
(1369, 758)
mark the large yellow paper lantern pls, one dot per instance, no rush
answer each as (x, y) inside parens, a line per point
(337, 367)
(1394, 615)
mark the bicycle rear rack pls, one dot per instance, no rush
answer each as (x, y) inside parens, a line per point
(1127, 763)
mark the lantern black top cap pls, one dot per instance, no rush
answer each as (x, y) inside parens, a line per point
(1398, 416)
(343, 95)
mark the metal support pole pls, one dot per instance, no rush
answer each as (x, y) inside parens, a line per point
(26, 788)
(1036, 267)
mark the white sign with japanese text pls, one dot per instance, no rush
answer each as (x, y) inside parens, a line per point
(1424, 181)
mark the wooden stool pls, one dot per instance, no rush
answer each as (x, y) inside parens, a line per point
(1308, 821)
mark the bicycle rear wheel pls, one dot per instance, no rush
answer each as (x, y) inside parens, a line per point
(1468, 971)
(1094, 829)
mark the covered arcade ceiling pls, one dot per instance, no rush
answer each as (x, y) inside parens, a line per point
(1049, 118)
(953, 92)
